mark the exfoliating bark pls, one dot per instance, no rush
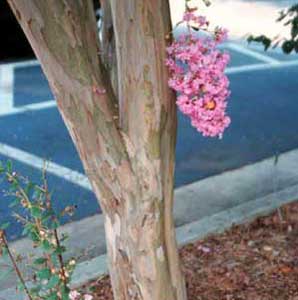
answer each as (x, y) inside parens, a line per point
(127, 152)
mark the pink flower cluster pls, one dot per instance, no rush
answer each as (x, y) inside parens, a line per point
(197, 75)
(75, 295)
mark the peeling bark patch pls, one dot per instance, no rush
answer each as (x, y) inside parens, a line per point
(148, 22)
(112, 232)
(147, 85)
(148, 89)
(144, 220)
(29, 22)
(106, 169)
(18, 15)
(117, 225)
(164, 118)
(131, 150)
(147, 266)
(160, 254)
(110, 236)
(123, 255)
(146, 70)
(98, 90)
(154, 144)
(125, 176)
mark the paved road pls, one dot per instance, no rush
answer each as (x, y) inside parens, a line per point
(263, 108)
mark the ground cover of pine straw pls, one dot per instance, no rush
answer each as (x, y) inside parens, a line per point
(254, 261)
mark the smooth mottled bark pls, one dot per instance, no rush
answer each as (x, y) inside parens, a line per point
(127, 152)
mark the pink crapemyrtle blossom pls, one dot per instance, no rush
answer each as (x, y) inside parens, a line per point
(75, 295)
(197, 75)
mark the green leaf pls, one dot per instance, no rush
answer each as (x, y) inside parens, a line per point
(60, 250)
(13, 185)
(4, 226)
(52, 296)
(34, 236)
(9, 166)
(20, 286)
(266, 44)
(293, 8)
(46, 216)
(55, 224)
(28, 228)
(207, 2)
(64, 237)
(29, 187)
(46, 245)
(44, 274)
(14, 203)
(294, 29)
(40, 261)
(296, 47)
(2, 169)
(36, 290)
(54, 280)
(288, 46)
(4, 251)
(260, 39)
(65, 293)
(282, 15)
(36, 212)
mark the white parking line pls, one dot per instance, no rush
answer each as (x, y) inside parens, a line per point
(27, 108)
(259, 67)
(6, 87)
(6, 107)
(252, 53)
(38, 163)
(21, 64)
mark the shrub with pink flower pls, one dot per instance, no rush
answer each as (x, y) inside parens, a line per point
(197, 75)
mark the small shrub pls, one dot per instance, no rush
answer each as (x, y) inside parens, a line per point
(51, 272)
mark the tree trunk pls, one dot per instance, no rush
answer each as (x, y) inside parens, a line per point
(127, 152)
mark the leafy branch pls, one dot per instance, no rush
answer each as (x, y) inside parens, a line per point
(289, 17)
(52, 275)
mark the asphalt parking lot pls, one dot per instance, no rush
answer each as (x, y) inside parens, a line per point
(263, 107)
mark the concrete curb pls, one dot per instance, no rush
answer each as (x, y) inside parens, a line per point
(194, 231)
(192, 202)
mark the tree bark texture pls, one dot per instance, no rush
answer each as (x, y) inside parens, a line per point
(127, 151)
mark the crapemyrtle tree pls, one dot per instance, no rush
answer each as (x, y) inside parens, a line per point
(114, 96)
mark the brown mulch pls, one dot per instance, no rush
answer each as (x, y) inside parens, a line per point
(254, 261)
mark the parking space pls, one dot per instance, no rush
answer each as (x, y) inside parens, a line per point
(263, 109)
(30, 86)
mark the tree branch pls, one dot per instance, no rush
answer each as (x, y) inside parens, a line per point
(64, 37)
(146, 105)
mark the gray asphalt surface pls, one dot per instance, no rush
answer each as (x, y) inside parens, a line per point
(263, 108)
